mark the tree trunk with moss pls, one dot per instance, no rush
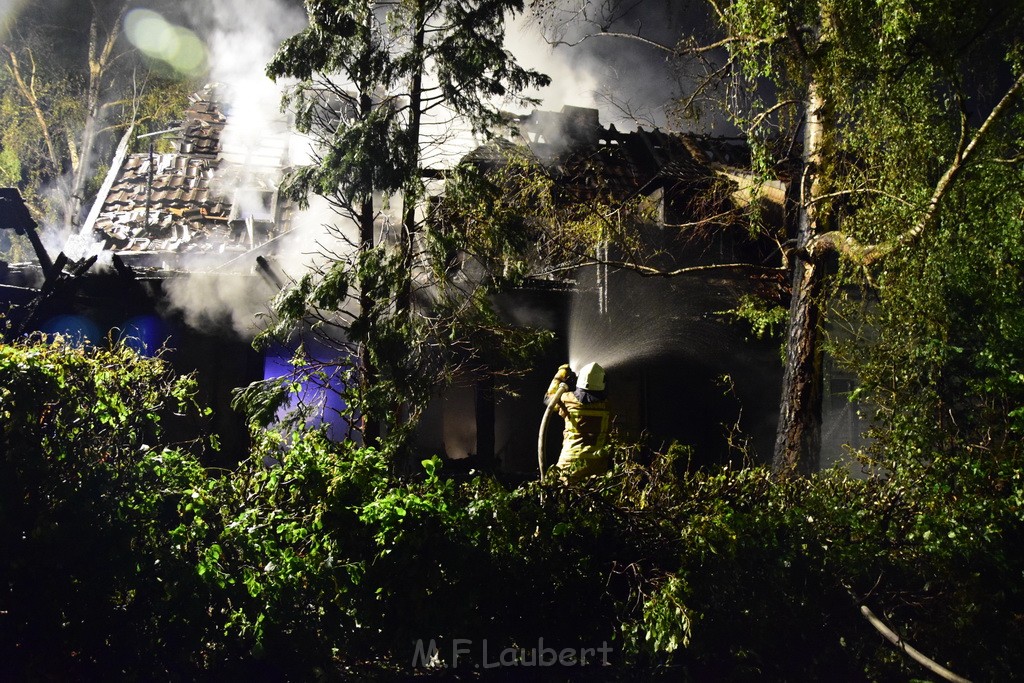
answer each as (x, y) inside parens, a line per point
(798, 436)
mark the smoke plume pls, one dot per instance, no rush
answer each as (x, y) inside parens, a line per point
(241, 37)
(630, 81)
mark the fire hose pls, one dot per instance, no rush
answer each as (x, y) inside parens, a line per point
(556, 398)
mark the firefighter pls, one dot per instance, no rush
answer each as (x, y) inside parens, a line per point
(584, 407)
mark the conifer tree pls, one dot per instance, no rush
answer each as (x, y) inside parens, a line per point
(381, 88)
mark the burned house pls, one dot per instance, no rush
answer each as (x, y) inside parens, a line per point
(194, 211)
(656, 312)
(200, 206)
(210, 201)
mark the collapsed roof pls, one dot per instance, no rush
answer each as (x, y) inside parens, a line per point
(211, 200)
(639, 161)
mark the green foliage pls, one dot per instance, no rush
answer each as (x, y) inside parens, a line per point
(910, 174)
(770, 574)
(312, 558)
(10, 167)
(666, 623)
(520, 218)
(403, 314)
(89, 487)
(27, 164)
(764, 319)
(261, 400)
(939, 349)
(482, 214)
(162, 99)
(279, 545)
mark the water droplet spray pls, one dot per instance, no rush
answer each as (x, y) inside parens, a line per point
(649, 319)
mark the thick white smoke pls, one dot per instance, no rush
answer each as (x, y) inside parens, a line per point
(573, 82)
(220, 302)
(241, 37)
(625, 76)
(318, 235)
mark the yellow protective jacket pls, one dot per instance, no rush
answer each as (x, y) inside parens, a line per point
(584, 437)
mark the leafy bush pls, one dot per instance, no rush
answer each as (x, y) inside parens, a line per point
(312, 559)
(327, 561)
(770, 575)
(88, 491)
(318, 558)
(279, 544)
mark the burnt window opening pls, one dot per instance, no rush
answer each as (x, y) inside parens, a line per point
(257, 204)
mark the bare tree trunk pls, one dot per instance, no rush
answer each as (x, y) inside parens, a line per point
(410, 197)
(80, 149)
(798, 439)
(26, 86)
(367, 370)
(99, 59)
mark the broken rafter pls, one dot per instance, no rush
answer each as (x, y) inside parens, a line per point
(54, 276)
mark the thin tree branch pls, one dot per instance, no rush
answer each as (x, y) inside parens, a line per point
(717, 219)
(28, 92)
(768, 112)
(913, 653)
(649, 271)
(725, 42)
(858, 191)
(614, 34)
(868, 253)
(944, 184)
(707, 82)
(1011, 160)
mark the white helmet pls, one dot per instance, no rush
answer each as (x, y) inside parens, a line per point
(591, 377)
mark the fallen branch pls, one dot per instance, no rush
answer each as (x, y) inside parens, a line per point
(914, 654)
